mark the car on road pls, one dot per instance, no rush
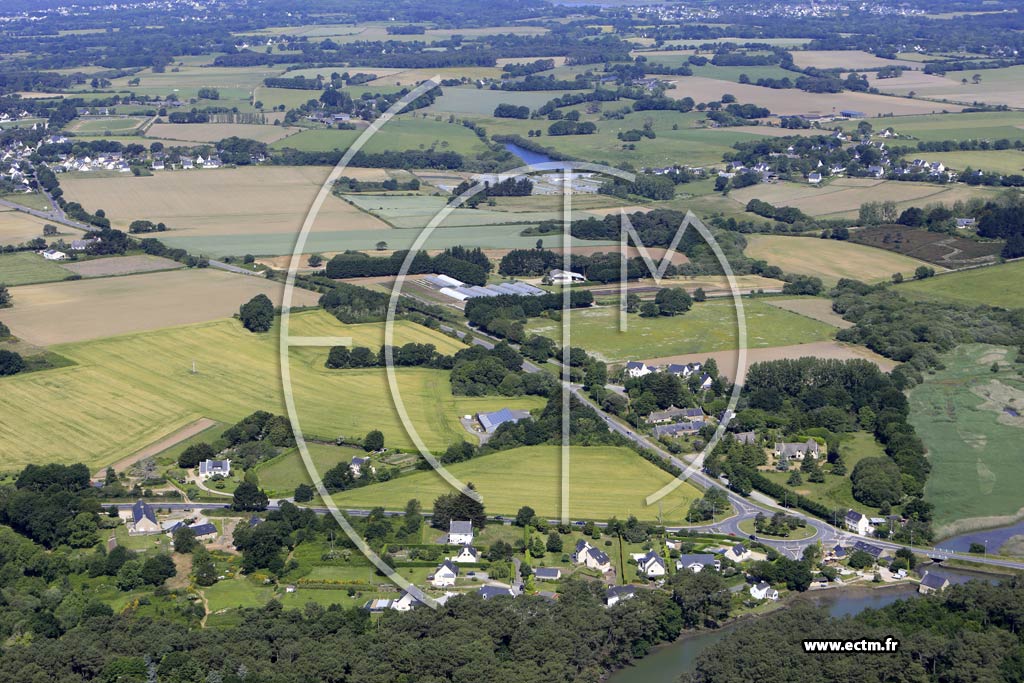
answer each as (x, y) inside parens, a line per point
(752, 537)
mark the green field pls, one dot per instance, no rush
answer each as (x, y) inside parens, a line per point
(1006, 161)
(115, 125)
(708, 326)
(973, 443)
(829, 260)
(416, 211)
(129, 391)
(29, 268)
(483, 102)
(999, 285)
(32, 200)
(603, 482)
(687, 144)
(971, 125)
(837, 492)
(407, 132)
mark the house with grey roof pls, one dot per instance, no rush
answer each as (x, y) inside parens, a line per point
(697, 562)
(784, 452)
(932, 583)
(749, 438)
(678, 428)
(858, 523)
(488, 592)
(204, 531)
(143, 519)
(672, 413)
(616, 594)
(763, 591)
(209, 468)
(547, 573)
(651, 565)
(460, 532)
(635, 368)
(444, 575)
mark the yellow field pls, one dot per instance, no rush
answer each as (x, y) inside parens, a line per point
(845, 59)
(829, 259)
(214, 132)
(60, 312)
(17, 227)
(843, 196)
(129, 391)
(240, 201)
(799, 102)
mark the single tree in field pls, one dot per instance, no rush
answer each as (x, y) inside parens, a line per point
(257, 315)
(315, 260)
(203, 568)
(382, 245)
(303, 493)
(5, 296)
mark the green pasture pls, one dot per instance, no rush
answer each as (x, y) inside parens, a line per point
(708, 326)
(603, 482)
(416, 211)
(967, 126)
(29, 268)
(411, 131)
(129, 391)
(999, 285)
(961, 413)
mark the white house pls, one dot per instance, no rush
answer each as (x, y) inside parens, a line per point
(738, 553)
(591, 557)
(616, 594)
(763, 591)
(697, 562)
(460, 533)
(797, 451)
(54, 255)
(467, 555)
(635, 368)
(209, 468)
(358, 464)
(651, 565)
(406, 602)
(858, 523)
(444, 575)
(814, 178)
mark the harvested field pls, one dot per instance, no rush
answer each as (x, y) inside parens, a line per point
(996, 86)
(838, 196)
(938, 248)
(122, 265)
(17, 227)
(823, 349)
(214, 132)
(172, 439)
(253, 201)
(75, 311)
(800, 102)
(845, 59)
(829, 260)
(813, 307)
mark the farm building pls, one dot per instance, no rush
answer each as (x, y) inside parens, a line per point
(672, 413)
(53, 255)
(491, 421)
(563, 277)
(677, 428)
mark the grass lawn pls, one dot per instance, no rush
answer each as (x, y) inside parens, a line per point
(708, 326)
(829, 260)
(115, 125)
(29, 268)
(1000, 285)
(32, 200)
(604, 482)
(973, 442)
(129, 391)
(1008, 161)
(280, 476)
(970, 125)
(835, 491)
(416, 211)
(235, 593)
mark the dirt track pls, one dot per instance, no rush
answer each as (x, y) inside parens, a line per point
(163, 444)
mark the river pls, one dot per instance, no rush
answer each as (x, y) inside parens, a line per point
(992, 539)
(529, 158)
(666, 663)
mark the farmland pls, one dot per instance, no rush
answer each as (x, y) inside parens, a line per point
(121, 265)
(996, 86)
(265, 202)
(401, 133)
(829, 260)
(708, 326)
(992, 161)
(27, 268)
(842, 197)
(971, 125)
(999, 285)
(63, 312)
(844, 59)
(17, 227)
(964, 414)
(813, 307)
(531, 476)
(937, 248)
(125, 392)
(214, 132)
(115, 125)
(799, 102)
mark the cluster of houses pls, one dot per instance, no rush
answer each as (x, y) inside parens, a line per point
(141, 520)
(674, 421)
(53, 253)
